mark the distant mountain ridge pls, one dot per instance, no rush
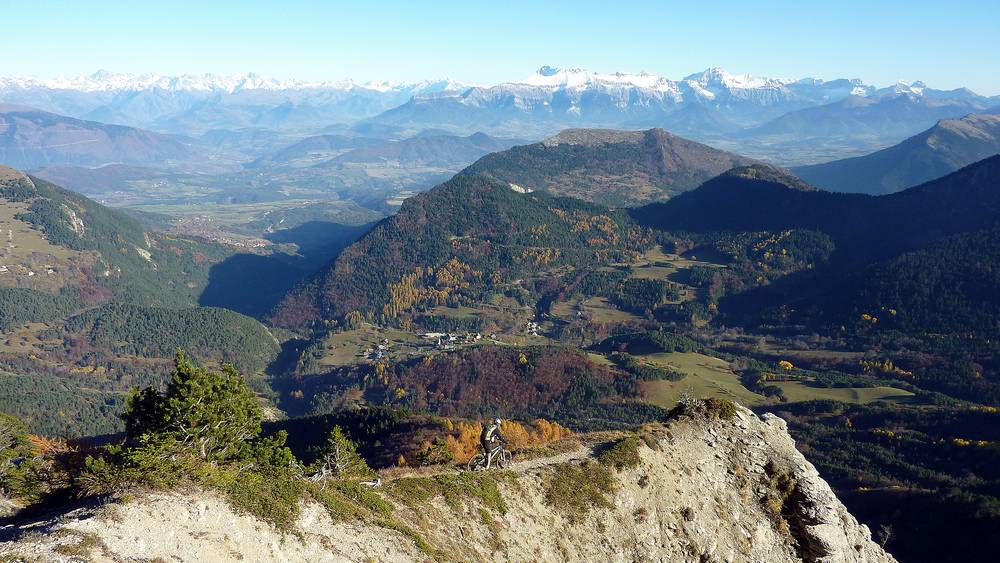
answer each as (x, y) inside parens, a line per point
(31, 138)
(701, 104)
(430, 150)
(106, 81)
(942, 149)
(763, 198)
(192, 105)
(876, 119)
(615, 168)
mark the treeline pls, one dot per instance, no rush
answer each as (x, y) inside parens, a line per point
(155, 332)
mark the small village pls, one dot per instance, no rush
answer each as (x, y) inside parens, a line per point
(444, 341)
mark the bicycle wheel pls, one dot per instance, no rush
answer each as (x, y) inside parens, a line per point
(504, 459)
(476, 462)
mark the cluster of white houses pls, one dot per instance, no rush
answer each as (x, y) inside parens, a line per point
(19, 270)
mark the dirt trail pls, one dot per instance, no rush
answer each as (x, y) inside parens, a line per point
(581, 452)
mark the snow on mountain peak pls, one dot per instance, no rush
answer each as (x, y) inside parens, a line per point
(714, 83)
(108, 81)
(552, 77)
(719, 77)
(913, 89)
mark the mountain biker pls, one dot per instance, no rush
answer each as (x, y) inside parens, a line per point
(491, 434)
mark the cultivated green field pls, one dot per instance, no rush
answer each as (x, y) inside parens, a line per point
(26, 256)
(597, 309)
(796, 391)
(348, 347)
(652, 272)
(712, 377)
(706, 377)
(599, 359)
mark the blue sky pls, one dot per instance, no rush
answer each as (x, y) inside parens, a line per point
(945, 43)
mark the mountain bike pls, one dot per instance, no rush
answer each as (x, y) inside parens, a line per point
(500, 456)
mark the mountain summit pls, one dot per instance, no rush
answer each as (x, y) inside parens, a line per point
(617, 168)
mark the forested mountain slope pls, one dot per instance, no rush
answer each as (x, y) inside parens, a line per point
(942, 149)
(91, 302)
(469, 235)
(59, 245)
(765, 199)
(616, 168)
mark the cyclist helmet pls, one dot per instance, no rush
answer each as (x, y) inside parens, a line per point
(497, 421)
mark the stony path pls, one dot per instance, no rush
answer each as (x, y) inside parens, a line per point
(583, 452)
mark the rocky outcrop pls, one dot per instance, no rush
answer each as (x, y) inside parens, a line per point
(705, 489)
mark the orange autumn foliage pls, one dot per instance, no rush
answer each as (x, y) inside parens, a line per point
(464, 439)
(44, 446)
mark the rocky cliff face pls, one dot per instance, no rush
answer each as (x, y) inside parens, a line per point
(704, 488)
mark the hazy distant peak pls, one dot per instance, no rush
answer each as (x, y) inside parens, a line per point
(107, 81)
(8, 108)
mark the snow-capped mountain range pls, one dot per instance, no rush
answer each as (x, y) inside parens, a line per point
(106, 81)
(194, 104)
(707, 83)
(716, 81)
(705, 104)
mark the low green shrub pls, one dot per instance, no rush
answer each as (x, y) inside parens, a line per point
(272, 497)
(436, 453)
(454, 488)
(576, 489)
(624, 454)
(713, 407)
